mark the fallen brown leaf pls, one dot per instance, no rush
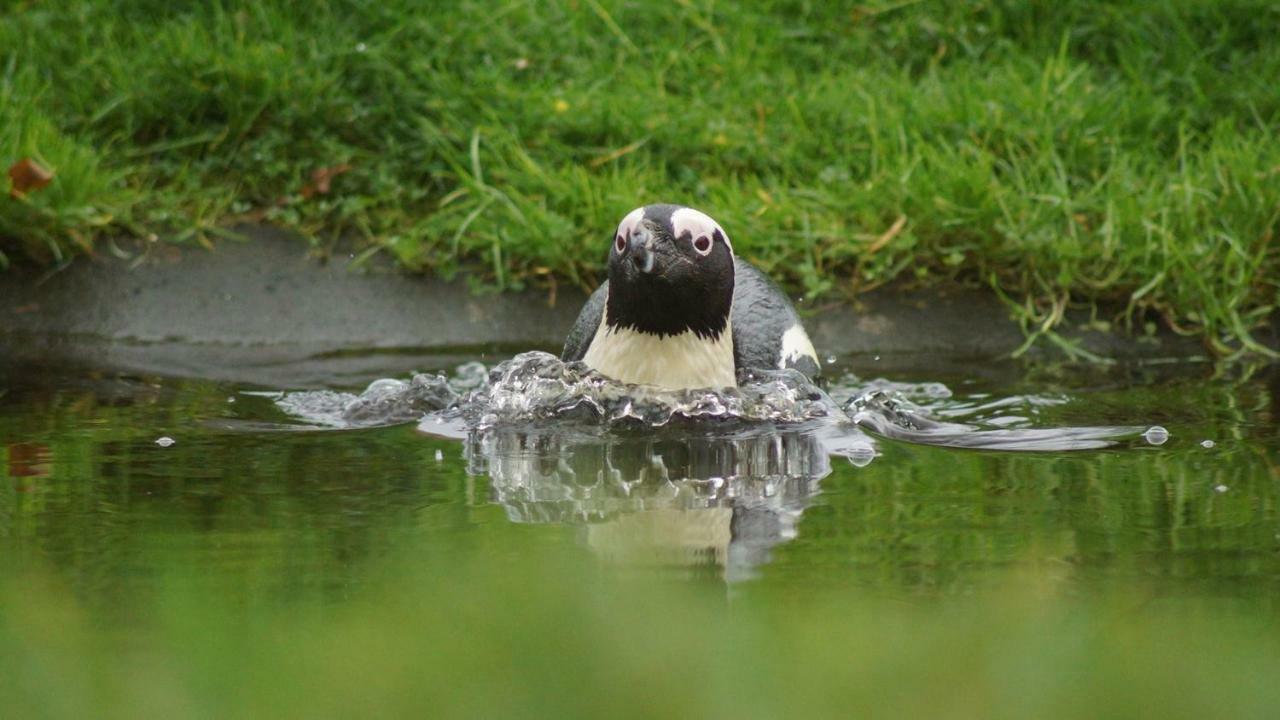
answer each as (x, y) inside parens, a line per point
(28, 460)
(27, 176)
(321, 179)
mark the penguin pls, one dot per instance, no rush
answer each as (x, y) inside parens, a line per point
(680, 311)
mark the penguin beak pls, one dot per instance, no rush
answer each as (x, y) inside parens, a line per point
(641, 246)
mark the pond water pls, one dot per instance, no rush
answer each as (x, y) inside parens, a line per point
(115, 483)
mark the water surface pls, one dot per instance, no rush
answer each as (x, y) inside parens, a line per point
(256, 506)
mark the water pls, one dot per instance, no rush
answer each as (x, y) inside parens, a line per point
(118, 481)
(188, 548)
(686, 475)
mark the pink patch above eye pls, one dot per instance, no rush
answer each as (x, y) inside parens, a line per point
(620, 244)
(702, 244)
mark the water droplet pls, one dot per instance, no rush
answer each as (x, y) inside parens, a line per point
(1206, 444)
(831, 359)
(361, 47)
(1156, 435)
(165, 441)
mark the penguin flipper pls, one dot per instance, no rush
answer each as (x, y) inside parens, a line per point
(585, 327)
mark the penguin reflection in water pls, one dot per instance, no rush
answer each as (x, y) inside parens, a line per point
(680, 311)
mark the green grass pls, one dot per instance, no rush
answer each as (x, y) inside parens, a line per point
(1062, 152)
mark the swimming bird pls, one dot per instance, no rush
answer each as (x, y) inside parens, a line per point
(680, 310)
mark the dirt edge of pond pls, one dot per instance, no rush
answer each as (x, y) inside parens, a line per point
(270, 303)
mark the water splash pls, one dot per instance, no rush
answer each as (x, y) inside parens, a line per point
(384, 402)
(537, 388)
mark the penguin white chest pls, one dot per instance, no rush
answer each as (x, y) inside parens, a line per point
(673, 362)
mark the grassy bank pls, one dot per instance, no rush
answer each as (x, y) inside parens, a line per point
(1061, 152)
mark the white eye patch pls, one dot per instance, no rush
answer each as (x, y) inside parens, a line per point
(628, 224)
(701, 228)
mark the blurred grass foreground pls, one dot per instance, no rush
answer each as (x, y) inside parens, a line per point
(508, 632)
(1061, 152)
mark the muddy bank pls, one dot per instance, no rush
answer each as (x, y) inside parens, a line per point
(269, 311)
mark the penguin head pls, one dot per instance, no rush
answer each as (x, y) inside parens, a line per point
(670, 272)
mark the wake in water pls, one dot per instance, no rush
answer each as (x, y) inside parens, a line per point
(887, 410)
(537, 388)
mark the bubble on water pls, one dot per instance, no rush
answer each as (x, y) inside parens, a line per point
(1220, 488)
(1206, 444)
(861, 455)
(165, 441)
(384, 386)
(1156, 435)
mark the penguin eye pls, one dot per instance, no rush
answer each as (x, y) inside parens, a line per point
(700, 229)
(625, 227)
